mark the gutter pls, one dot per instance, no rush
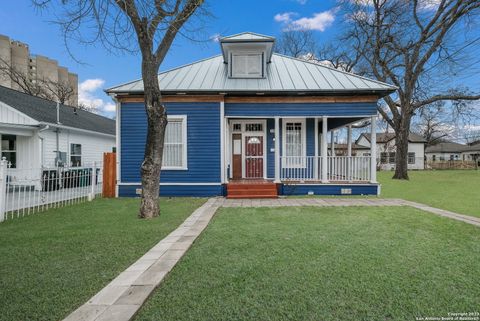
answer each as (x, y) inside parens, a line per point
(77, 129)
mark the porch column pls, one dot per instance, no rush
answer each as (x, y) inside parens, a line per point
(277, 150)
(373, 150)
(315, 162)
(349, 140)
(222, 142)
(227, 151)
(332, 143)
(324, 150)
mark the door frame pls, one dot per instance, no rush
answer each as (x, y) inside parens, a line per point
(243, 132)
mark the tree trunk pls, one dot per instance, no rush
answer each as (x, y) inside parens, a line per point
(156, 124)
(402, 131)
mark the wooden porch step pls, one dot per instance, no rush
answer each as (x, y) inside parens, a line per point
(252, 190)
(251, 196)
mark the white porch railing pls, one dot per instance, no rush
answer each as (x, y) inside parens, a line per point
(349, 168)
(25, 191)
(339, 168)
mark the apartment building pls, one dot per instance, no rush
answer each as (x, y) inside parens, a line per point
(36, 68)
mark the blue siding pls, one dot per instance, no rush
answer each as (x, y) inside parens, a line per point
(320, 109)
(203, 142)
(328, 189)
(176, 190)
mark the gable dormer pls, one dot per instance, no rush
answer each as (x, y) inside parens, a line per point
(247, 54)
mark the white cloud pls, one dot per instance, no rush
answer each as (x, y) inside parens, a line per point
(319, 21)
(302, 2)
(88, 96)
(429, 4)
(91, 84)
(285, 17)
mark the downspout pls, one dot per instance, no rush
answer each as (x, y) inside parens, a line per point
(57, 133)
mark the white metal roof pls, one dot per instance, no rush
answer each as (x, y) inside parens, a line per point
(283, 74)
(247, 36)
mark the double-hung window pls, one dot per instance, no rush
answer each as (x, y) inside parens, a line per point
(175, 144)
(411, 158)
(9, 149)
(75, 155)
(294, 143)
(391, 158)
(383, 158)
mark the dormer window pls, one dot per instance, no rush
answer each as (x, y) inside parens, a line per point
(247, 65)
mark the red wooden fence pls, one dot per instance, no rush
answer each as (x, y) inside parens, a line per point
(109, 174)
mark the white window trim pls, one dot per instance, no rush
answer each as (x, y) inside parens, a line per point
(70, 156)
(246, 52)
(304, 140)
(183, 118)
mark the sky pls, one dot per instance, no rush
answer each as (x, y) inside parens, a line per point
(101, 69)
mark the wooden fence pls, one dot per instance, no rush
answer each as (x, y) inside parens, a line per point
(109, 174)
(452, 164)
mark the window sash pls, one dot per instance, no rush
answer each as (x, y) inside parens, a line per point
(383, 158)
(411, 158)
(294, 143)
(174, 145)
(391, 158)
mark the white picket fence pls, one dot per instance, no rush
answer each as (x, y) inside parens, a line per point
(25, 191)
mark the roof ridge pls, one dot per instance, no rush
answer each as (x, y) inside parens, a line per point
(337, 70)
(248, 32)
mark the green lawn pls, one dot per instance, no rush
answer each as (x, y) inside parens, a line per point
(454, 190)
(52, 262)
(355, 263)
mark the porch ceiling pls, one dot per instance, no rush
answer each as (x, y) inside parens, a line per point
(334, 123)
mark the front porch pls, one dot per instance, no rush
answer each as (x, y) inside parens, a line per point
(297, 155)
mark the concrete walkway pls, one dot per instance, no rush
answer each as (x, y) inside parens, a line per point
(122, 298)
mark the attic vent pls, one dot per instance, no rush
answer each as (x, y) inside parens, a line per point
(247, 65)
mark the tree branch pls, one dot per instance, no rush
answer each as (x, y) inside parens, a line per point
(456, 97)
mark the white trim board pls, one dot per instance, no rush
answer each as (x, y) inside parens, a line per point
(173, 184)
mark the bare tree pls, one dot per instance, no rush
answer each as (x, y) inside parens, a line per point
(301, 43)
(59, 91)
(339, 57)
(414, 45)
(22, 81)
(148, 26)
(296, 43)
(432, 124)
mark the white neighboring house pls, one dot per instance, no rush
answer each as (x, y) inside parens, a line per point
(386, 150)
(450, 151)
(30, 133)
(472, 152)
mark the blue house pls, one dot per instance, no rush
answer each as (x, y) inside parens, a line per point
(251, 123)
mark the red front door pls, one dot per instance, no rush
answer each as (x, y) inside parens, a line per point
(253, 156)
